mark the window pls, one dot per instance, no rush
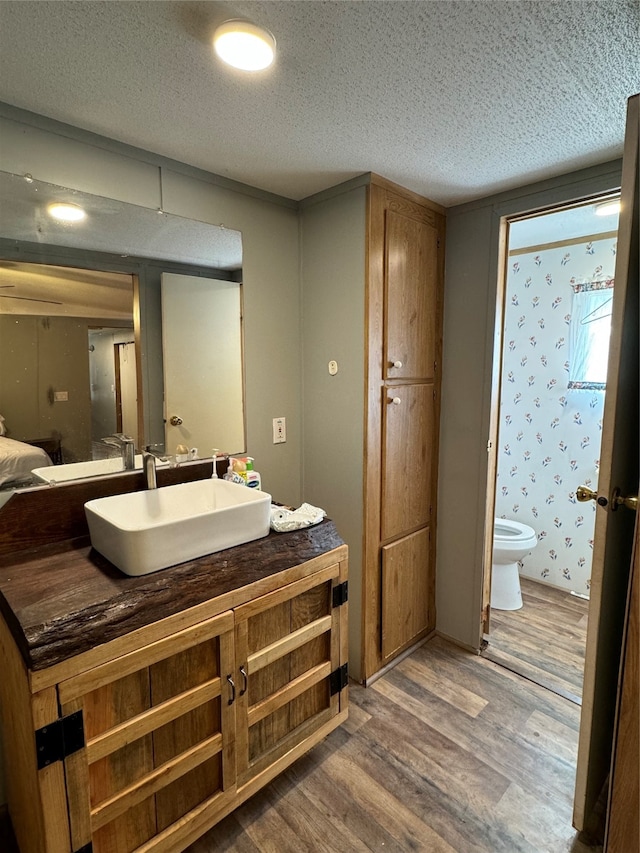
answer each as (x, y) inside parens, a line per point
(589, 332)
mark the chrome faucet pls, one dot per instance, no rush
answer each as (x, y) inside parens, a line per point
(149, 458)
(149, 470)
(127, 448)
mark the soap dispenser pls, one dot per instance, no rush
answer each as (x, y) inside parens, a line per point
(252, 478)
(232, 476)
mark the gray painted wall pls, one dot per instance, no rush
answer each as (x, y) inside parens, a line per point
(471, 278)
(333, 309)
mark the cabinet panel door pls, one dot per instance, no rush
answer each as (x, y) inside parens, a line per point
(406, 591)
(410, 294)
(287, 643)
(408, 413)
(159, 738)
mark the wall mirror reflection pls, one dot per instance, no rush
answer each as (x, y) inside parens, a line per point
(89, 350)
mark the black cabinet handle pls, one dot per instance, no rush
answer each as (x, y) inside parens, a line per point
(233, 690)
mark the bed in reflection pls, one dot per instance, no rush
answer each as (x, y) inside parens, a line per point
(18, 459)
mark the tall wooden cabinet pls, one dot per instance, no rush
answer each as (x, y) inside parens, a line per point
(404, 310)
(372, 271)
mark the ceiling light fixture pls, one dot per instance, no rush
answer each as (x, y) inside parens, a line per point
(66, 212)
(608, 208)
(244, 45)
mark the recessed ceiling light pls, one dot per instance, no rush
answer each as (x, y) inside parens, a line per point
(244, 45)
(66, 212)
(608, 208)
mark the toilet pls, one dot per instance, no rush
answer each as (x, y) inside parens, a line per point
(511, 542)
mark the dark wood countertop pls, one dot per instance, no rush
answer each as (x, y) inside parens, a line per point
(64, 598)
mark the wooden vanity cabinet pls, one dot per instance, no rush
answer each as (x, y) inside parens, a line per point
(169, 728)
(288, 654)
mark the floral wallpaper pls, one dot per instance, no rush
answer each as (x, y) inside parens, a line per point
(549, 434)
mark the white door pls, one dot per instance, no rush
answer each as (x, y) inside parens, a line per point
(128, 389)
(613, 538)
(203, 372)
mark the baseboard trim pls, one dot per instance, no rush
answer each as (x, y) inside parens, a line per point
(405, 654)
(458, 643)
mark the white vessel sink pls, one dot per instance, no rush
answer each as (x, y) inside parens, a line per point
(142, 532)
(80, 470)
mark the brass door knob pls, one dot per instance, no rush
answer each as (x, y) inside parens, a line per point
(584, 494)
(175, 420)
(631, 501)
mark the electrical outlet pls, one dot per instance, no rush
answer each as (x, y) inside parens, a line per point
(279, 430)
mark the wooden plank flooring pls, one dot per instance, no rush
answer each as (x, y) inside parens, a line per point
(545, 640)
(446, 753)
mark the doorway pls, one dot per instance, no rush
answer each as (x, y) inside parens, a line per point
(557, 285)
(114, 389)
(126, 389)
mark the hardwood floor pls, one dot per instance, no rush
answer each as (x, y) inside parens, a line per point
(446, 753)
(545, 640)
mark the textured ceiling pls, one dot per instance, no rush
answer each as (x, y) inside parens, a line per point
(455, 99)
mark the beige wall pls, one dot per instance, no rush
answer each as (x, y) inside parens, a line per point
(39, 356)
(19, 353)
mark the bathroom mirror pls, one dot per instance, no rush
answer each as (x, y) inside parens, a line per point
(97, 285)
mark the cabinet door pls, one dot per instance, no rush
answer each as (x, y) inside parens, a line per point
(410, 294)
(407, 461)
(287, 646)
(159, 740)
(407, 581)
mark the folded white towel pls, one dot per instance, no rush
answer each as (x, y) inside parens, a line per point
(284, 520)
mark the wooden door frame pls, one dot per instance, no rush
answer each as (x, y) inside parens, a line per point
(494, 427)
(137, 339)
(496, 389)
(118, 384)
